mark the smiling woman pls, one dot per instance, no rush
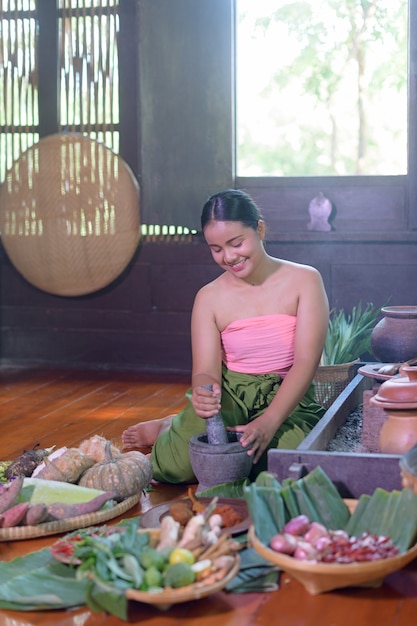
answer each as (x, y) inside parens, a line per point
(258, 332)
(336, 60)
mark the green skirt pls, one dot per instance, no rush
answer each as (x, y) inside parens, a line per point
(244, 397)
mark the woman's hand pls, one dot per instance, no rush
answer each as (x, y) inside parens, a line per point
(257, 434)
(206, 403)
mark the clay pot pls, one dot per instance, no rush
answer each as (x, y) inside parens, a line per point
(394, 338)
(399, 432)
(398, 398)
(218, 464)
(400, 391)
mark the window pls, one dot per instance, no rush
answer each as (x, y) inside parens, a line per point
(83, 75)
(321, 87)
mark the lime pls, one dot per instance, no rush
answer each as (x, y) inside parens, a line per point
(181, 555)
(150, 557)
(153, 577)
(179, 575)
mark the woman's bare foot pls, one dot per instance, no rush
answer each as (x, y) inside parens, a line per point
(144, 434)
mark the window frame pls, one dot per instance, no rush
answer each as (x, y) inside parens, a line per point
(408, 180)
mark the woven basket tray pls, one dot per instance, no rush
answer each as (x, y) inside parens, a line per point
(72, 523)
(331, 380)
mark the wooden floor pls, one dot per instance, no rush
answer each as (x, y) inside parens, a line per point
(56, 407)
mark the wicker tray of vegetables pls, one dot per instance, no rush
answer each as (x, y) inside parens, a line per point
(308, 530)
(69, 489)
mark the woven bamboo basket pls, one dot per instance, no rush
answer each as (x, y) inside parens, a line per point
(331, 380)
(70, 215)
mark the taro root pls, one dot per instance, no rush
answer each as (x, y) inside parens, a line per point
(27, 462)
(66, 468)
(95, 448)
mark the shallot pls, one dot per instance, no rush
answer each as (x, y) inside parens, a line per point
(297, 525)
(311, 541)
(284, 542)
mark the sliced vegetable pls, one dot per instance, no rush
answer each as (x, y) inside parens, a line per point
(37, 490)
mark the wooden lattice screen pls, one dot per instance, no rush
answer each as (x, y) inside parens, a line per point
(87, 80)
(84, 82)
(88, 69)
(19, 113)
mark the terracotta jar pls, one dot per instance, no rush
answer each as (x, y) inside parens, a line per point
(394, 338)
(398, 398)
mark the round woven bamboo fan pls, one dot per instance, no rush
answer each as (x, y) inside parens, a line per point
(70, 215)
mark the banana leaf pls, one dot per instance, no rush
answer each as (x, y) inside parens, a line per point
(225, 490)
(37, 582)
(263, 517)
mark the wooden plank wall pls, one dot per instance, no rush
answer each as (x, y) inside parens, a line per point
(184, 147)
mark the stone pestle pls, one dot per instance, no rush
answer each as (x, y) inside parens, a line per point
(215, 428)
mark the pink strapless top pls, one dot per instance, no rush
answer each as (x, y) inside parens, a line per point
(260, 345)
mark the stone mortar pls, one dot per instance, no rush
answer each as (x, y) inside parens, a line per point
(218, 464)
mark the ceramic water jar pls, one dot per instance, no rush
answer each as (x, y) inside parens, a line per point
(398, 397)
(394, 338)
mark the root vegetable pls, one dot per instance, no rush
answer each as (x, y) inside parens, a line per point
(27, 462)
(14, 515)
(36, 514)
(67, 468)
(95, 448)
(297, 525)
(9, 497)
(283, 542)
(315, 531)
(323, 543)
(60, 511)
(215, 521)
(224, 562)
(305, 551)
(192, 531)
(169, 533)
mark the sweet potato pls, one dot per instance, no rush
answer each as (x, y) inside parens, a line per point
(59, 510)
(9, 497)
(14, 515)
(36, 514)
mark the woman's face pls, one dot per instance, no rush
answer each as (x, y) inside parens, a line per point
(235, 247)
